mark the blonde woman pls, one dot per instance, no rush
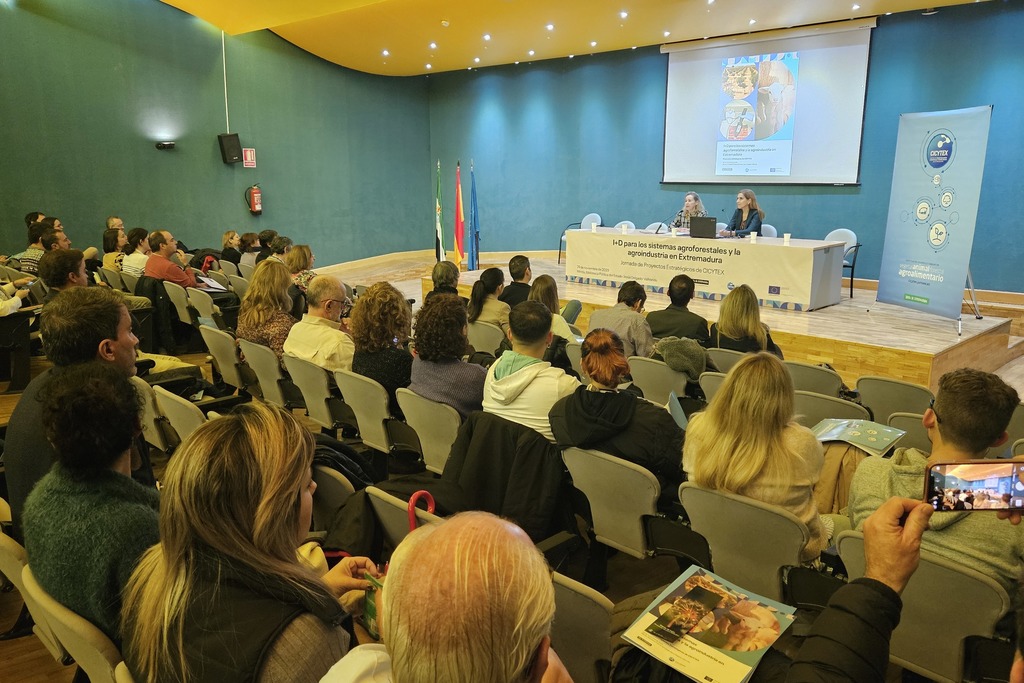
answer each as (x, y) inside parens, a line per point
(545, 290)
(739, 325)
(747, 443)
(299, 260)
(265, 317)
(223, 596)
(693, 207)
(230, 244)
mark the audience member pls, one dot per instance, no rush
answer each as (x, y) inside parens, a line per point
(485, 613)
(249, 247)
(279, 247)
(970, 414)
(12, 296)
(265, 316)
(229, 247)
(33, 217)
(320, 337)
(160, 266)
(438, 371)
(677, 320)
(739, 325)
(445, 277)
(380, 329)
(265, 238)
(29, 258)
(545, 290)
(60, 240)
(299, 260)
(62, 269)
(518, 290)
(521, 387)
(86, 522)
(601, 417)
(114, 223)
(747, 443)
(136, 252)
(114, 241)
(223, 596)
(484, 305)
(626, 320)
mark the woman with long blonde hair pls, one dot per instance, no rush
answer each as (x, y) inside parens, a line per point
(265, 316)
(223, 596)
(739, 325)
(747, 443)
(230, 243)
(299, 260)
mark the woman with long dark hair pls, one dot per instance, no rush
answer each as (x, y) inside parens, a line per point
(483, 300)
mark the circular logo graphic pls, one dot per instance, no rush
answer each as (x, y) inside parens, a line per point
(924, 210)
(946, 199)
(939, 150)
(938, 235)
(730, 286)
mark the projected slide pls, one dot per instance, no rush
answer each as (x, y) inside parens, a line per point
(758, 115)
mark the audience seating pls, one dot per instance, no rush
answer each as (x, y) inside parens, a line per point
(239, 285)
(219, 277)
(485, 336)
(12, 563)
(807, 377)
(369, 401)
(204, 307)
(582, 225)
(884, 396)
(768, 230)
(656, 379)
(1014, 431)
(812, 408)
(314, 382)
(724, 359)
(574, 350)
(332, 491)
(710, 382)
(621, 493)
(228, 268)
(751, 542)
(16, 342)
(224, 349)
(155, 428)
(916, 435)
(179, 298)
(852, 248)
(112, 278)
(38, 290)
(184, 416)
(246, 271)
(436, 425)
(93, 651)
(275, 387)
(943, 604)
(1018, 447)
(571, 311)
(393, 515)
(129, 281)
(581, 632)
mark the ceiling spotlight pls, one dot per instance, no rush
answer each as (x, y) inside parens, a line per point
(929, 12)
(593, 43)
(166, 144)
(571, 56)
(667, 33)
(623, 14)
(429, 66)
(444, 23)
(476, 60)
(433, 46)
(531, 53)
(487, 36)
(517, 61)
(753, 21)
(633, 48)
(855, 7)
(550, 27)
(711, 2)
(386, 53)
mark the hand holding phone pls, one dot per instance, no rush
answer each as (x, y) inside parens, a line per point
(892, 541)
(971, 485)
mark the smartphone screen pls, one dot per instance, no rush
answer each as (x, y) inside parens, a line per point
(976, 485)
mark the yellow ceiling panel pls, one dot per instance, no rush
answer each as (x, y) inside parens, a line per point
(241, 16)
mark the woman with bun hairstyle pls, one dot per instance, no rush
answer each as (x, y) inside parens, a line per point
(483, 300)
(747, 217)
(739, 326)
(692, 208)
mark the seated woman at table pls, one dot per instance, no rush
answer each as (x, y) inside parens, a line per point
(739, 325)
(692, 208)
(223, 596)
(747, 217)
(483, 300)
(747, 443)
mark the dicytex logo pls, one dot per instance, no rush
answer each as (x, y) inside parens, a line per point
(940, 149)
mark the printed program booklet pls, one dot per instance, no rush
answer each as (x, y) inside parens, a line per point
(872, 437)
(709, 629)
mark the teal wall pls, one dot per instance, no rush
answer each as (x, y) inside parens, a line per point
(88, 86)
(555, 140)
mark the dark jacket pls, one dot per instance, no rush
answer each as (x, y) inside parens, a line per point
(742, 229)
(515, 293)
(231, 254)
(746, 345)
(163, 314)
(678, 321)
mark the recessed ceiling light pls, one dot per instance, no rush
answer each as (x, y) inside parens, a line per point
(429, 66)
(753, 21)
(888, 13)
(550, 27)
(623, 14)
(433, 46)
(711, 2)
(531, 53)
(593, 43)
(633, 48)
(476, 60)
(386, 53)
(487, 36)
(517, 61)
(571, 56)
(667, 33)
(444, 23)
(855, 7)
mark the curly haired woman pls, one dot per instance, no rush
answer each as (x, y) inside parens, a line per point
(380, 323)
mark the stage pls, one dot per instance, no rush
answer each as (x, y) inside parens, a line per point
(857, 336)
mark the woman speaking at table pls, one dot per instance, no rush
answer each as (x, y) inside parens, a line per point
(692, 208)
(747, 218)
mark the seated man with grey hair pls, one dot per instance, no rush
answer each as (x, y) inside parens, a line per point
(465, 601)
(320, 336)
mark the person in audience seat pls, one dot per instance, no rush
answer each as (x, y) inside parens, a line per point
(299, 260)
(279, 248)
(114, 241)
(626, 320)
(381, 320)
(520, 386)
(265, 316)
(969, 415)
(545, 290)
(58, 238)
(518, 290)
(747, 443)
(438, 371)
(86, 522)
(484, 614)
(265, 238)
(136, 253)
(677, 320)
(445, 277)
(12, 297)
(160, 266)
(320, 337)
(61, 269)
(739, 325)
(224, 596)
(30, 257)
(250, 246)
(484, 305)
(230, 243)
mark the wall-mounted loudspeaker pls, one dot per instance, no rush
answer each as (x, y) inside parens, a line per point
(230, 148)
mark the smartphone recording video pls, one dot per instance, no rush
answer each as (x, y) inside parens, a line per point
(975, 485)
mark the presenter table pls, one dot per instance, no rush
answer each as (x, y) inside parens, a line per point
(801, 276)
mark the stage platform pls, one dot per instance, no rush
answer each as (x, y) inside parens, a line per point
(857, 337)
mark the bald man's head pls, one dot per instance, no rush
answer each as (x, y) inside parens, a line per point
(468, 600)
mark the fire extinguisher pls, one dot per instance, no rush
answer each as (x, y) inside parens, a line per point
(254, 198)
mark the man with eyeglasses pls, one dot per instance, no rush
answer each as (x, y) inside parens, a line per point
(627, 320)
(969, 415)
(321, 337)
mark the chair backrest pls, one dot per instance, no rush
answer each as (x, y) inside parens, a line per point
(724, 359)
(183, 415)
(179, 298)
(224, 349)
(1014, 431)
(38, 289)
(1018, 447)
(203, 303)
(768, 230)
(574, 350)
(122, 674)
(246, 270)
(369, 401)
(885, 396)
(944, 603)
(710, 382)
(154, 424)
(93, 651)
(113, 278)
(571, 311)
(239, 285)
(750, 541)
(581, 632)
(843, 235)
(589, 219)
(264, 363)
(315, 385)
(656, 379)
(618, 518)
(393, 515)
(12, 563)
(221, 278)
(628, 225)
(807, 377)
(812, 408)
(129, 281)
(485, 336)
(436, 425)
(656, 227)
(228, 268)
(721, 226)
(916, 435)
(332, 490)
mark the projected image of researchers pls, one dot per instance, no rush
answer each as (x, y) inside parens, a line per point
(692, 208)
(737, 120)
(747, 218)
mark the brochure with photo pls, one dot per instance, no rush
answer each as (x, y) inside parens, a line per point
(709, 629)
(872, 437)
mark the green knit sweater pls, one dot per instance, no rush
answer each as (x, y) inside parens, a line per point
(84, 537)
